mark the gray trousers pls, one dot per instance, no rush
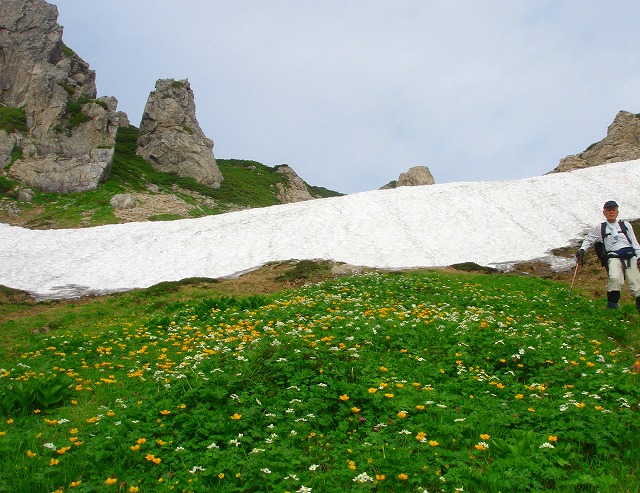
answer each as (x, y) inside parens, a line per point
(618, 273)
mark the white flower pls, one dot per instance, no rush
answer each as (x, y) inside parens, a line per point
(363, 478)
(265, 470)
(304, 489)
(313, 467)
(547, 445)
(50, 445)
(213, 445)
(196, 468)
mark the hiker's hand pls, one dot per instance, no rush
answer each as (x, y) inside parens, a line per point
(580, 255)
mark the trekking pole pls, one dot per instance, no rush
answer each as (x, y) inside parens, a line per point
(573, 282)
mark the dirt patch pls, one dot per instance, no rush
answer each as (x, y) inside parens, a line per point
(153, 204)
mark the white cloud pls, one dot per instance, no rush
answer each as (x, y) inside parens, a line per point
(350, 94)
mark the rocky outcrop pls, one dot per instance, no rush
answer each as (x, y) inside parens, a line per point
(70, 134)
(295, 190)
(170, 137)
(415, 176)
(622, 143)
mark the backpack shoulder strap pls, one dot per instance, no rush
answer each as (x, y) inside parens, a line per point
(603, 229)
(624, 229)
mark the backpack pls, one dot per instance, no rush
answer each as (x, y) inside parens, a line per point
(598, 246)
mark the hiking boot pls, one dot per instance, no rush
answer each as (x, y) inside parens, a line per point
(613, 297)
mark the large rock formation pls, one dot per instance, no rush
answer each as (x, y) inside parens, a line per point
(415, 176)
(68, 142)
(170, 136)
(622, 143)
(295, 190)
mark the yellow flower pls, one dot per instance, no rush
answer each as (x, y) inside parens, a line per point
(54, 462)
(380, 477)
(373, 390)
(344, 397)
(580, 405)
(221, 475)
(389, 396)
(161, 443)
(480, 446)
(2, 433)
(141, 441)
(75, 484)
(135, 448)
(484, 436)
(402, 414)
(553, 438)
(519, 396)
(10, 421)
(31, 454)
(403, 477)
(433, 443)
(355, 410)
(111, 481)
(133, 489)
(420, 407)
(236, 416)
(165, 412)
(182, 406)
(73, 431)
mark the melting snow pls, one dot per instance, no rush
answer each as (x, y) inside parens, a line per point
(492, 223)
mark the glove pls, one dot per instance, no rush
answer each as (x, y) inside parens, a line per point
(580, 256)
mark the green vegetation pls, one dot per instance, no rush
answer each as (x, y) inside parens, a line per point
(306, 270)
(13, 119)
(382, 383)
(247, 184)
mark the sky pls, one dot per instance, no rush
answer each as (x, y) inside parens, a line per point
(491, 223)
(352, 93)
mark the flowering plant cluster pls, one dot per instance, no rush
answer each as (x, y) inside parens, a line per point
(412, 382)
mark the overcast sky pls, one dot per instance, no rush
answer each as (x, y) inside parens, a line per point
(350, 93)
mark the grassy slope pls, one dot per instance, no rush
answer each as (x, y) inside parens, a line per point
(246, 184)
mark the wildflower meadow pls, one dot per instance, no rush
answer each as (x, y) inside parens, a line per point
(416, 382)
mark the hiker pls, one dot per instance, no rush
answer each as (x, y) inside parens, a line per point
(620, 255)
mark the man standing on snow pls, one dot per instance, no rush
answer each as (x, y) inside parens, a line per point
(622, 251)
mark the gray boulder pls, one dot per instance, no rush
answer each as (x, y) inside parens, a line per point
(415, 176)
(171, 139)
(295, 190)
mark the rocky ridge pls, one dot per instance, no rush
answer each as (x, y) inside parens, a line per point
(622, 143)
(67, 140)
